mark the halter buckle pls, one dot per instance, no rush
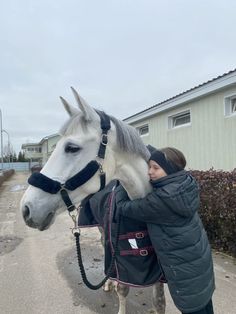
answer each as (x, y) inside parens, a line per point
(104, 139)
(101, 169)
(62, 187)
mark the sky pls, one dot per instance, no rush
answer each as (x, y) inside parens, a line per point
(122, 56)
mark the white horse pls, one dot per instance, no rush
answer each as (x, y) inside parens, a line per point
(126, 160)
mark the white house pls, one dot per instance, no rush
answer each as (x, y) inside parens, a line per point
(32, 151)
(41, 151)
(201, 122)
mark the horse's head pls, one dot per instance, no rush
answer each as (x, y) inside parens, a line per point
(80, 143)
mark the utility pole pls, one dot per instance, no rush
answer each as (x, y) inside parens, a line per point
(8, 147)
(1, 140)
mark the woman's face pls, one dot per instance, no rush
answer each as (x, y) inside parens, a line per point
(155, 171)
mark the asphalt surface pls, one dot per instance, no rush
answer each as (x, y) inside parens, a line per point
(39, 272)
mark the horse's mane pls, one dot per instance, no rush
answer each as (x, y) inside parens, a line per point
(128, 138)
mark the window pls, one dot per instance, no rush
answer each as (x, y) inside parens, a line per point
(143, 130)
(233, 105)
(34, 149)
(230, 105)
(180, 119)
(38, 149)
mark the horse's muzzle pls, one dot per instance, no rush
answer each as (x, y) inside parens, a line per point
(29, 221)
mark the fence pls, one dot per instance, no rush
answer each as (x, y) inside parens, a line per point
(18, 166)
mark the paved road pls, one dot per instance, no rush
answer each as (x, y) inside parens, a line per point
(39, 273)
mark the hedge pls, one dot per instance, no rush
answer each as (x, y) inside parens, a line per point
(5, 175)
(218, 207)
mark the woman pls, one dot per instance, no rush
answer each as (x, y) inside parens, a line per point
(176, 230)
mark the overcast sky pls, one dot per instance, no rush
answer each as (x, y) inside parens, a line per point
(123, 56)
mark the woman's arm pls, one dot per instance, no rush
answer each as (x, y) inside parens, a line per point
(150, 209)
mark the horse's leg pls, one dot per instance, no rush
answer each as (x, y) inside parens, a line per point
(158, 298)
(122, 292)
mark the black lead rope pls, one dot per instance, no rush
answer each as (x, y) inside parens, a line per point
(112, 264)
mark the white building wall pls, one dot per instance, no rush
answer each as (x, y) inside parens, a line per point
(210, 139)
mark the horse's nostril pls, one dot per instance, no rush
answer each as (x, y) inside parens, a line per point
(27, 217)
(26, 213)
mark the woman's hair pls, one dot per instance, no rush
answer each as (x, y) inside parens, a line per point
(174, 155)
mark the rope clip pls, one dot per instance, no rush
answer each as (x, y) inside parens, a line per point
(74, 217)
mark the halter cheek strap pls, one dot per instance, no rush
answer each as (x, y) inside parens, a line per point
(51, 186)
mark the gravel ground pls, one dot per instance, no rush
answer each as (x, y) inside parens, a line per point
(39, 271)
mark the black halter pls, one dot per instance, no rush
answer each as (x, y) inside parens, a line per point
(51, 186)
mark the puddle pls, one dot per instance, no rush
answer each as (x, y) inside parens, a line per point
(18, 187)
(8, 244)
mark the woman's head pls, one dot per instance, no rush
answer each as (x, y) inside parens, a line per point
(165, 161)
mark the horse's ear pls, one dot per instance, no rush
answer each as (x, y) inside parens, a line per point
(89, 113)
(72, 111)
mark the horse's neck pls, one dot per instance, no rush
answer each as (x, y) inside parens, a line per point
(132, 172)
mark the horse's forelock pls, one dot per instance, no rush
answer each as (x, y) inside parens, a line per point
(71, 125)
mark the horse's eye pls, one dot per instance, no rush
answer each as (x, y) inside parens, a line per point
(72, 148)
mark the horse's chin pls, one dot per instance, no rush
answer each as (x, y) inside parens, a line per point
(44, 225)
(47, 222)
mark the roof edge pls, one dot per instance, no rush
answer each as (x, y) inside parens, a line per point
(206, 88)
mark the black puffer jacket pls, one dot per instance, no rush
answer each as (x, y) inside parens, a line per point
(178, 236)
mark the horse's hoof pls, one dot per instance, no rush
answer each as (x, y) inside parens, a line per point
(106, 289)
(107, 286)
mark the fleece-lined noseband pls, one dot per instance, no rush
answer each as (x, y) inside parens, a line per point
(51, 186)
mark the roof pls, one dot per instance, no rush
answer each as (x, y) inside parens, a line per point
(48, 137)
(208, 87)
(41, 141)
(29, 144)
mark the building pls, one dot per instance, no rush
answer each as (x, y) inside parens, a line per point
(41, 151)
(201, 122)
(48, 144)
(32, 151)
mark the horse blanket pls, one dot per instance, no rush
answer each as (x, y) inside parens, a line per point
(136, 262)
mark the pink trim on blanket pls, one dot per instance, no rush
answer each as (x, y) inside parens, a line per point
(131, 284)
(89, 226)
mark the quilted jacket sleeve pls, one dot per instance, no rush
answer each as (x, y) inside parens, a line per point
(157, 207)
(151, 209)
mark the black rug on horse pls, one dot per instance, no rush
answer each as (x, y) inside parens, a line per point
(136, 262)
